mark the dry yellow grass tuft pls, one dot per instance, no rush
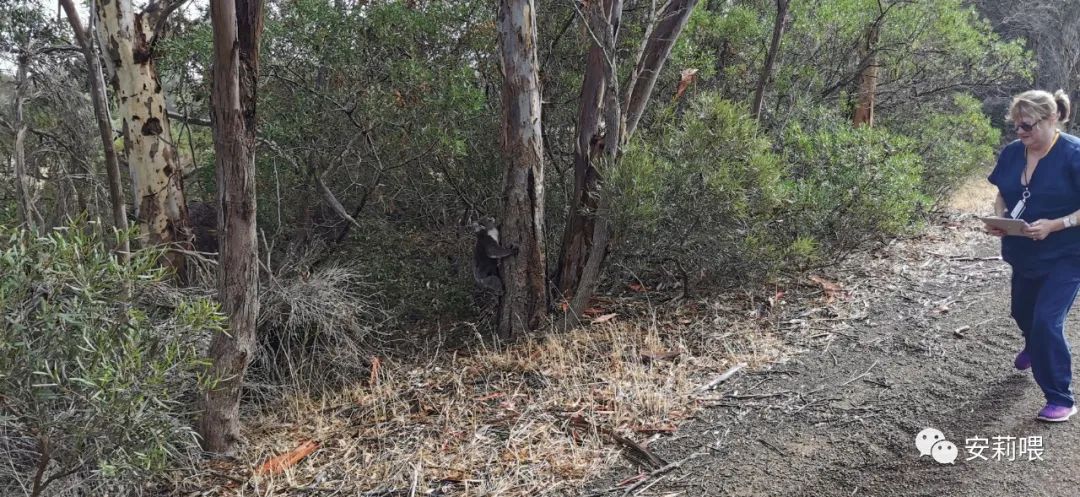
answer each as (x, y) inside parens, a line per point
(537, 418)
(975, 196)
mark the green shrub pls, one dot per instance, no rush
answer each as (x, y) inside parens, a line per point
(954, 142)
(711, 200)
(849, 186)
(91, 383)
(701, 196)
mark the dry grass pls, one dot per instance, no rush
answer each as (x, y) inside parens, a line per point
(317, 327)
(527, 420)
(975, 196)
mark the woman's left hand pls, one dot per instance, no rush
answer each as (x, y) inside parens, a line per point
(1039, 230)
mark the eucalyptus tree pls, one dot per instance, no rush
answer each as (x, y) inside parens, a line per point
(588, 232)
(129, 38)
(237, 27)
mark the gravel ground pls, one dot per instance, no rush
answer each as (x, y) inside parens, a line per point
(925, 341)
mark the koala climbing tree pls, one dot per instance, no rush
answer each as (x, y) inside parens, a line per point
(487, 254)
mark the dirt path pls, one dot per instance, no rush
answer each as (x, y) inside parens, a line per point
(840, 418)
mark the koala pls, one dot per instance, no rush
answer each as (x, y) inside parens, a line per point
(486, 255)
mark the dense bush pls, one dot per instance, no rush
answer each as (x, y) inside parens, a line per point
(954, 142)
(714, 200)
(849, 186)
(702, 196)
(92, 385)
(396, 107)
(319, 327)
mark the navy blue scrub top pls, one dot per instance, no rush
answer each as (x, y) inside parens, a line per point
(1055, 193)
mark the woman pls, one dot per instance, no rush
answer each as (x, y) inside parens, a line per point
(1038, 180)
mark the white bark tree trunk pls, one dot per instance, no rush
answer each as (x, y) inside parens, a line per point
(157, 182)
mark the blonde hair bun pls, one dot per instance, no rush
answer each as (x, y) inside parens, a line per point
(1063, 105)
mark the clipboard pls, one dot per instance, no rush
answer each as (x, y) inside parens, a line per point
(1012, 227)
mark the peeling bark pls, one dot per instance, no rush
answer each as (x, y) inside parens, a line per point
(237, 25)
(524, 300)
(604, 25)
(577, 239)
(580, 258)
(157, 182)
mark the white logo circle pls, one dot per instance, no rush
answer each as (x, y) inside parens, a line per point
(944, 452)
(926, 439)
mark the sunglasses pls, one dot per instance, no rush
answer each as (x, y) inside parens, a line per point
(1026, 127)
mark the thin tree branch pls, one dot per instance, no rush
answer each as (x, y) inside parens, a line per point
(60, 48)
(158, 13)
(197, 121)
(316, 176)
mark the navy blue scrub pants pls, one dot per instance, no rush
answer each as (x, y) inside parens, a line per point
(1040, 303)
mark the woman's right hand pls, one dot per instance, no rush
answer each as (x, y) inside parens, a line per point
(994, 231)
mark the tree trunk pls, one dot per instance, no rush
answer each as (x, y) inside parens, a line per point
(770, 59)
(867, 80)
(104, 122)
(577, 236)
(23, 188)
(654, 55)
(127, 38)
(581, 259)
(524, 299)
(237, 25)
(605, 26)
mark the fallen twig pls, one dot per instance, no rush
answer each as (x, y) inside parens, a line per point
(647, 477)
(968, 258)
(661, 471)
(723, 377)
(632, 450)
(759, 395)
(846, 383)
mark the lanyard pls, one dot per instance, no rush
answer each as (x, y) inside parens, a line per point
(1026, 181)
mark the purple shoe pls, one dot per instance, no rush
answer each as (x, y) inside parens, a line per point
(1023, 360)
(1056, 414)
